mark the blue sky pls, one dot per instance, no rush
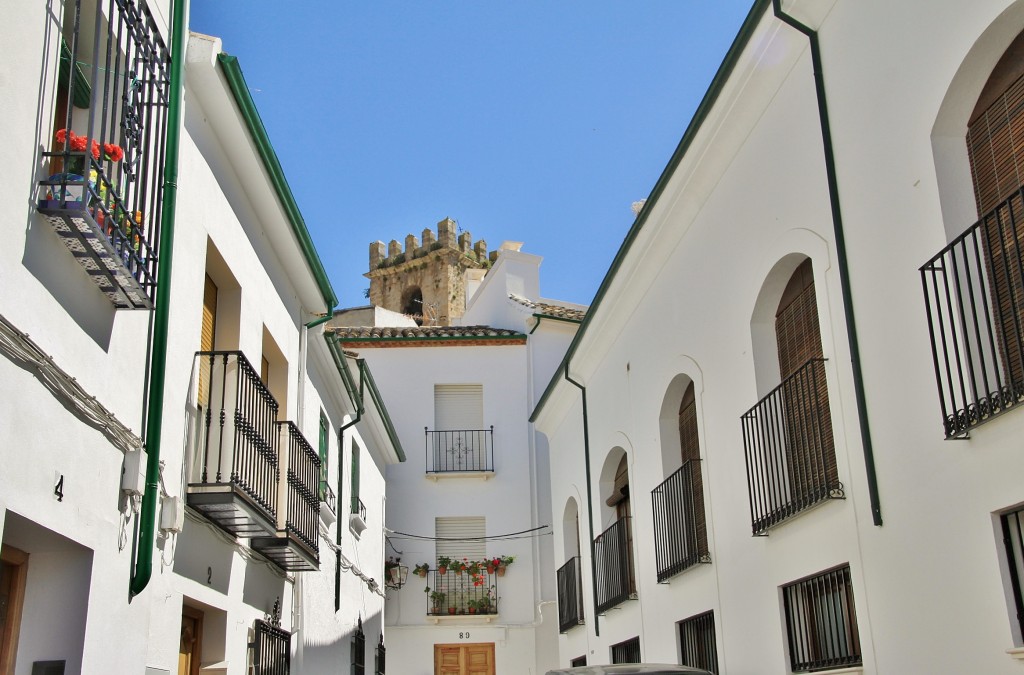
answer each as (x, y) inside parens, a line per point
(538, 120)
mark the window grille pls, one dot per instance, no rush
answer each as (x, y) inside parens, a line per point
(578, 661)
(271, 649)
(359, 650)
(379, 657)
(697, 642)
(103, 196)
(1013, 536)
(570, 595)
(626, 652)
(821, 622)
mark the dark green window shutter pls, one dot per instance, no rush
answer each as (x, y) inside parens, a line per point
(323, 453)
(355, 477)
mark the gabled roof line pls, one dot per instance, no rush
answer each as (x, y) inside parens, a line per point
(732, 57)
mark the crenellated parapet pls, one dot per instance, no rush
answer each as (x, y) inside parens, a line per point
(447, 237)
(425, 277)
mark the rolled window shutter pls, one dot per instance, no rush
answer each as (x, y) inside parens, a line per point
(355, 477)
(458, 406)
(461, 537)
(207, 336)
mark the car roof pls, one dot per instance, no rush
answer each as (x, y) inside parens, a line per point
(630, 669)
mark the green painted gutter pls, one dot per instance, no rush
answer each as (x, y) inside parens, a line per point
(367, 377)
(143, 570)
(703, 110)
(844, 269)
(552, 317)
(233, 73)
(590, 496)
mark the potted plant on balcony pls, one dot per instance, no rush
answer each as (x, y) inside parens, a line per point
(75, 169)
(473, 605)
(443, 562)
(506, 560)
(421, 570)
(488, 603)
(436, 600)
(473, 567)
(493, 564)
(459, 565)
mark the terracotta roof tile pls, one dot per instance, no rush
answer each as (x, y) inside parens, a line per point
(548, 309)
(423, 333)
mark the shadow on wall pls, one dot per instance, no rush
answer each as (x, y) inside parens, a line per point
(333, 656)
(56, 604)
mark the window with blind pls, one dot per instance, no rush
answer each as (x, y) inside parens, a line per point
(461, 537)
(207, 336)
(995, 146)
(458, 441)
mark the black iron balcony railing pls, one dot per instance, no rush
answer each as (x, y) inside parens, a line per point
(680, 533)
(570, 595)
(460, 450)
(821, 622)
(271, 649)
(303, 516)
(235, 454)
(104, 193)
(359, 509)
(790, 452)
(328, 497)
(454, 593)
(614, 562)
(974, 297)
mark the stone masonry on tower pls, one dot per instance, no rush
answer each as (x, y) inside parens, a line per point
(427, 280)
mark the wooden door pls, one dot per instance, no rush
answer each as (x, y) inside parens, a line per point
(468, 659)
(13, 572)
(190, 650)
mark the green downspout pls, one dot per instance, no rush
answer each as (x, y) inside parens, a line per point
(357, 401)
(319, 320)
(844, 270)
(590, 500)
(143, 570)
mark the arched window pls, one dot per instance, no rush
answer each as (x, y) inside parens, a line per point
(412, 303)
(995, 145)
(790, 450)
(569, 575)
(974, 287)
(680, 526)
(613, 548)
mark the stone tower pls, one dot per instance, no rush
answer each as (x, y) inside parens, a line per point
(426, 281)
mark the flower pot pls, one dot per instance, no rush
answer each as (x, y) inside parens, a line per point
(501, 570)
(422, 574)
(451, 610)
(442, 570)
(490, 569)
(472, 610)
(436, 610)
(459, 572)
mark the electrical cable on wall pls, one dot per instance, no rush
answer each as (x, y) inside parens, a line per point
(21, 347)
(522, 534)
(350, 566)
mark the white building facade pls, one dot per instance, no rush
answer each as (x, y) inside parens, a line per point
(784, 348)
(261, 558)
(475, 483)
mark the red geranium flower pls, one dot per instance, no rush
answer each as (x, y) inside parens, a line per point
(113, 152)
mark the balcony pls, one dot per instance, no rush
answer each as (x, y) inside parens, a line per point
(462, 451)
(790, 452)
(462, 595)
(614, 558)
(271, 648)
(974, 298)
(570, 595)
(296, 547)
(103, 196)
(680, 533)
(233, 476)
(357, 519)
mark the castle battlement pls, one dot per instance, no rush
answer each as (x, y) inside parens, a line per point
(382, 256)
(425, 278)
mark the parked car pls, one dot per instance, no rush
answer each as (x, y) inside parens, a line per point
(631, 669)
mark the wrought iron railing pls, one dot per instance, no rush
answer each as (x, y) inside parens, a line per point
(237, 439)
(570, 595)
(460, 450)
(614, 562)
(790, 452)
(821, 622)
(303, 516)
(328, 497)
(358, 650)
(271, 649)
(359, 509)
(680, 534)
(380, 657)
(104, 192)
(974, 298)
(463, 593)
(697, 642)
